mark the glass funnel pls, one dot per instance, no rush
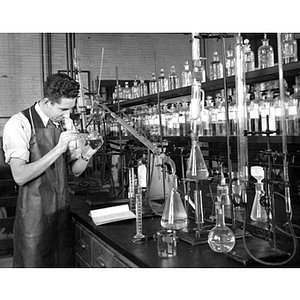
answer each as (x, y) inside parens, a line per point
(196, 169)
(174, 216)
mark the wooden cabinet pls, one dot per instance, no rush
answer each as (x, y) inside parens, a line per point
(92, 252)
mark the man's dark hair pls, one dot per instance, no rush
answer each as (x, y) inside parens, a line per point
(59, 86)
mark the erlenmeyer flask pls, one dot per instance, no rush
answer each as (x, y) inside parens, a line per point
(258, 212)
(221, 238)
(197, 169)
(174, 216)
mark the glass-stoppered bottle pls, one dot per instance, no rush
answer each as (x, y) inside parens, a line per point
(249, 57)
(230, 62)
(135, 91)
(127, 91)
(265, 54)
(153, 84)
(143, 87)
(174, 216)
(197, 169)
(173, 79)
(162, 82)
(186, 75)
(289, 48)
(216, 67)
(221, 238)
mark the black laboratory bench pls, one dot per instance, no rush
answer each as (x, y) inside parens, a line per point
(111, 245)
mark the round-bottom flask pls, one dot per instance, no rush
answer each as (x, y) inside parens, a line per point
(221, 238)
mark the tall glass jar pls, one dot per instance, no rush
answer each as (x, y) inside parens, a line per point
(265, 54)
(216, 67)
(186, 75)
(249, 57)
(230, 62)
(173, 79)
(289, 48)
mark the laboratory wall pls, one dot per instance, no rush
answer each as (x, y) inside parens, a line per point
(126, 55)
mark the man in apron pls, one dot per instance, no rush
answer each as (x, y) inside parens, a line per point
(37, 148)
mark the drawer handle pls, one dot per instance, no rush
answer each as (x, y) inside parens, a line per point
(82, 244)
(100, 262)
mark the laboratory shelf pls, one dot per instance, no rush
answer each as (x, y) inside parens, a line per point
(257, 76)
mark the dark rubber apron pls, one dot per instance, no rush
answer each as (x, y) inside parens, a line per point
(43, 234)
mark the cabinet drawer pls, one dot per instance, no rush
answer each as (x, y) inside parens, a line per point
(83, 243)
(102, 256)
(80, 262)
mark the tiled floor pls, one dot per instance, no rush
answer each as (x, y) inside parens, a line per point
(6, 262)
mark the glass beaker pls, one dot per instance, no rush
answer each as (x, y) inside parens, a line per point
(221, 238)
(197, 169)
(166, 243)
(174, 216)
(258, 212)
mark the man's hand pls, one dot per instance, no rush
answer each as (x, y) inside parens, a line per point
(65, 138)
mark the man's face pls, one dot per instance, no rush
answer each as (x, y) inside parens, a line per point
(58, 111)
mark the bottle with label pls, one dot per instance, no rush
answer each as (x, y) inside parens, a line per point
(186, 75)
(173, 79)
(232, 114)
(135, 91)
(143, 87)
(153, 85)
(265, 54)
(254, 114)
(209, 107)
(289, 48)
(221, 118)
(292, 113)
(182, 118)
(162, 82)
(230, 62)
(174, 216)
(216, 67)
(126, 91)
(249, 57)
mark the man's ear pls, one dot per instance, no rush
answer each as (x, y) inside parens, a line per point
(47, 102)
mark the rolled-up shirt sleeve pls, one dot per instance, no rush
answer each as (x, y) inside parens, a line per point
(16, 137)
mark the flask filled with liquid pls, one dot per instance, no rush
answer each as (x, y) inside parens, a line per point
(221, 238)
(197, 169)
(174, 216)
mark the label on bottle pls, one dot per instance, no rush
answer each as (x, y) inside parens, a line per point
(292, 110)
